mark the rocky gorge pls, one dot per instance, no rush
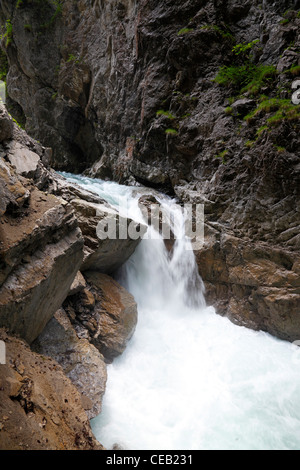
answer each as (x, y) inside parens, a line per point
(191, 98)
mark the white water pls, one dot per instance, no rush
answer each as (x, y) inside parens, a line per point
(190, 379)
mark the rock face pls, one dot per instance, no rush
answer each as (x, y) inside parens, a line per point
(40, 409)
(41, 252)
(127, 90)
(80, 360)
(105, 313)
(257, 285)
(103, 252)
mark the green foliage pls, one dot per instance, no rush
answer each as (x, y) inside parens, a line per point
(261, 130)
(285, 21)
(222, 156)
(19, 4)
(57, 4)
(185, 31)
(261, 75)
(168, 114)
(246, 78)
(228, 110)
(282, 111)
(9, 32)
(294, 70)
(231, 75)
(3, 66)
(218, 30)
(244, 47)
(171, 131)
(17, 123)
(28, 27)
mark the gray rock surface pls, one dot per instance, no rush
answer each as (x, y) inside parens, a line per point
(126, 90)
(80, 360)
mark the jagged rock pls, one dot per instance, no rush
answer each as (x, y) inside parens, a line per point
(13, 194)
(105, 252)
(124, 103)
(105, 313)
(6, 124)
(40, 409)
(80, 360)
(257, 285)
(24, 160)
(78, 284)
(41, 252)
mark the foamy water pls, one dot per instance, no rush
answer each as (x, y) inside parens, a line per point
(190, 379)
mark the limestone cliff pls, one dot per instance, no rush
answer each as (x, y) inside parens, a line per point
(133, 90)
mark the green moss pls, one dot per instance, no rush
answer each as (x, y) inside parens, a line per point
(3, 66)
(28, 27)
(228, 110)
(171, 131)
(261, 130)
(185, 31)
(284, 110)
(294, 70)
(168, 114)
(222, 156)
(8, 33)
(285, 21)
(250, 143)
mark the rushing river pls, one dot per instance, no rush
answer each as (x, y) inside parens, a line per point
(189, 378)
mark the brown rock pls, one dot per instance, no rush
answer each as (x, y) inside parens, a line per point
(41, 252)
(80, 360)
(110, 324)
(41, 409)
(254, 284)
(6, 124)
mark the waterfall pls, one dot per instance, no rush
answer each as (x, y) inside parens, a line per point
(189, 378)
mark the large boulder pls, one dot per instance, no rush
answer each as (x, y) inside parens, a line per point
(40, 409)
(41, 252)
(105, 252)
(105, 313)
(80, 360)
